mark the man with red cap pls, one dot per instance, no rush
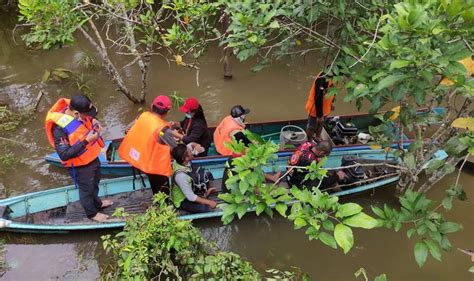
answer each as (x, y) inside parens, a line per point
(147, 145)
(195, 127)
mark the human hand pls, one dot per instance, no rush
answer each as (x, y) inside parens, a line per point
(212, 204)
(210, 191)
(92, 136)
(341, 174)
(96, 125)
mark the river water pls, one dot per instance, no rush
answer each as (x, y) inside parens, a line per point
(276, 93)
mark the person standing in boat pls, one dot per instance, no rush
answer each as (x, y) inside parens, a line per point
(74, 132)
(148, 143)
(190, 190)
(195, 127)
(303, 156)
(318, 106)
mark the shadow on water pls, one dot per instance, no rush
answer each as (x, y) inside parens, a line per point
(275, 93)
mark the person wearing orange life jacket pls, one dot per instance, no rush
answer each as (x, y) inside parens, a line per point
(148, 143)
(318, 106)
(73, 131)
(232, 126)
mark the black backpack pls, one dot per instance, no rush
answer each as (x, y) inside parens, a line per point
(200, 177)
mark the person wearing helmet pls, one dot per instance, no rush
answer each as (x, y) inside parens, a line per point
(232, 126)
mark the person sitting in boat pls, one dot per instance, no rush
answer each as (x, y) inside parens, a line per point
(195, 127)
(304, 155)
(147, 145)
(74, 132)
(318, 106)
(232, 126)
(190, 186)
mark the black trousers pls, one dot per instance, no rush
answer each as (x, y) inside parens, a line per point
(87, 179)
(159, 183)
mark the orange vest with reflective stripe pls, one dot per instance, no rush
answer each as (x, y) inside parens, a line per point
(310, 106)
(141, 149)
(223, 134)
(76, 131)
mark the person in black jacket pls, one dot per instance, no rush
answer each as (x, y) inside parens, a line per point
(195, 127)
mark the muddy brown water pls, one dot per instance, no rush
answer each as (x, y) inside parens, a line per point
(275, 93)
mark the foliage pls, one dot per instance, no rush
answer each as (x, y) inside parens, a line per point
(10, 120)
(311, 209)
(326, 219)
(159, 245)
(362, 272)
(53, 21)
(246, 182)
(425, 220)
(76, 79)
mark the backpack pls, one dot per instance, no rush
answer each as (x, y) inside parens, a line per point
(200, 179)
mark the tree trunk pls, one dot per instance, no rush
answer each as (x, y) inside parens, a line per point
(109, 66)
(228, 73)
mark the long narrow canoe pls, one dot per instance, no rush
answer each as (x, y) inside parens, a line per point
(58, 210)
(111, 164)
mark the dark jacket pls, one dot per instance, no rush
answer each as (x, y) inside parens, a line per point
(198, 132)
(64, 149)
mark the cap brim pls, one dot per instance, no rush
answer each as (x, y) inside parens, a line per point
(92, 112)
(183, 109)
(246, 111)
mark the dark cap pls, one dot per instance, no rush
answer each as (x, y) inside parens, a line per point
(238, 110)
(83, 105)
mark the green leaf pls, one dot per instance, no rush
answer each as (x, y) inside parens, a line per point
(328, 225)
(344, 237)
(381, 277)
(348, 209)
(399, 64)
(471, 269)
(241, 210)
(299, 223)
(389, 81)
(449, 227)
(327, 239)
(434, 249)
(281, 208)
(421, 253)
(253, 38)
(260, 208)
(274, 24)
(361, 220)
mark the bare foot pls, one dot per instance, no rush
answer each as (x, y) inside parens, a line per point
(106, 203)
(99, 217)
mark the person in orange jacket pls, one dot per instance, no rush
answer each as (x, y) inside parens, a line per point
(73, 131)
(148, 143)
(318, 106)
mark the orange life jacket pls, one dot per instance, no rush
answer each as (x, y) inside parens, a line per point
(141, 149)
(223, 134)
(76, 131)
(327, 102)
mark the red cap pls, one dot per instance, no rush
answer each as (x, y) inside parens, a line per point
(162, 102)
(189, 104)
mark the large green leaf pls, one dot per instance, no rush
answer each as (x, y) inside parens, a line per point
(348, 209)
(361, 220)
(421, 253)
(389, 81)
(327, 239)
(344, 237)
(399, 64)
(281, 208)
(449, 227)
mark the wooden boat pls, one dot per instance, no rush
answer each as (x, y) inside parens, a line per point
(58, 210)
(111, 164)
